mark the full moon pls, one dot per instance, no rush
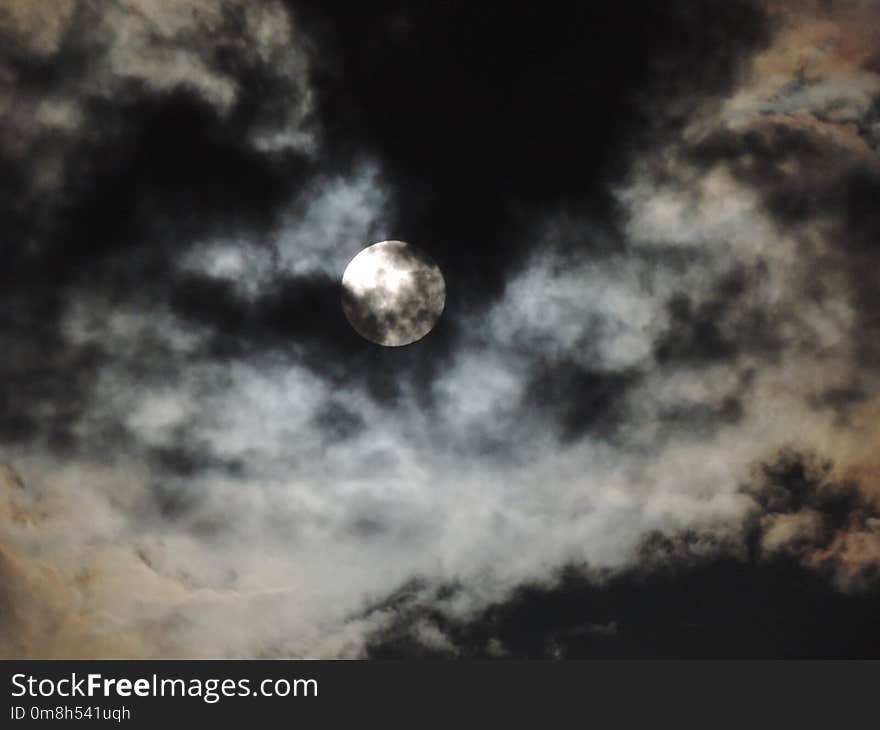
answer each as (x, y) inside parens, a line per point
(393, 293)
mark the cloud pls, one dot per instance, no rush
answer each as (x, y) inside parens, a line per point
(108, 51)
(656, 283)
(827, 525)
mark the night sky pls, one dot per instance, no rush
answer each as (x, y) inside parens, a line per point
(646, 424)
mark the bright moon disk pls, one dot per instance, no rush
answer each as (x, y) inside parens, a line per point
(393, 293)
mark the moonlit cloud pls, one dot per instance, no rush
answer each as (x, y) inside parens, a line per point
(665, 363)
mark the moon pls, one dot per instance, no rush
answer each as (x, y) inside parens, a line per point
(393, 293)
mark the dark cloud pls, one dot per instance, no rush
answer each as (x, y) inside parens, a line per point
(826, 523)
(144, 174)
(693, 594)
(339, 423)
(166, 169)
(291, 311)
(719, 608)
(720, 328)
(805, 173)
(485, 117)
(811, 178)
(182, 460)
(581, 401)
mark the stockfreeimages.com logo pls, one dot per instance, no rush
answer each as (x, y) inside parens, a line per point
(209, 690)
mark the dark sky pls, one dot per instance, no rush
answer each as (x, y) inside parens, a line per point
(645, 424)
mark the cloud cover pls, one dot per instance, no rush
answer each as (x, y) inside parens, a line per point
(658, 348)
